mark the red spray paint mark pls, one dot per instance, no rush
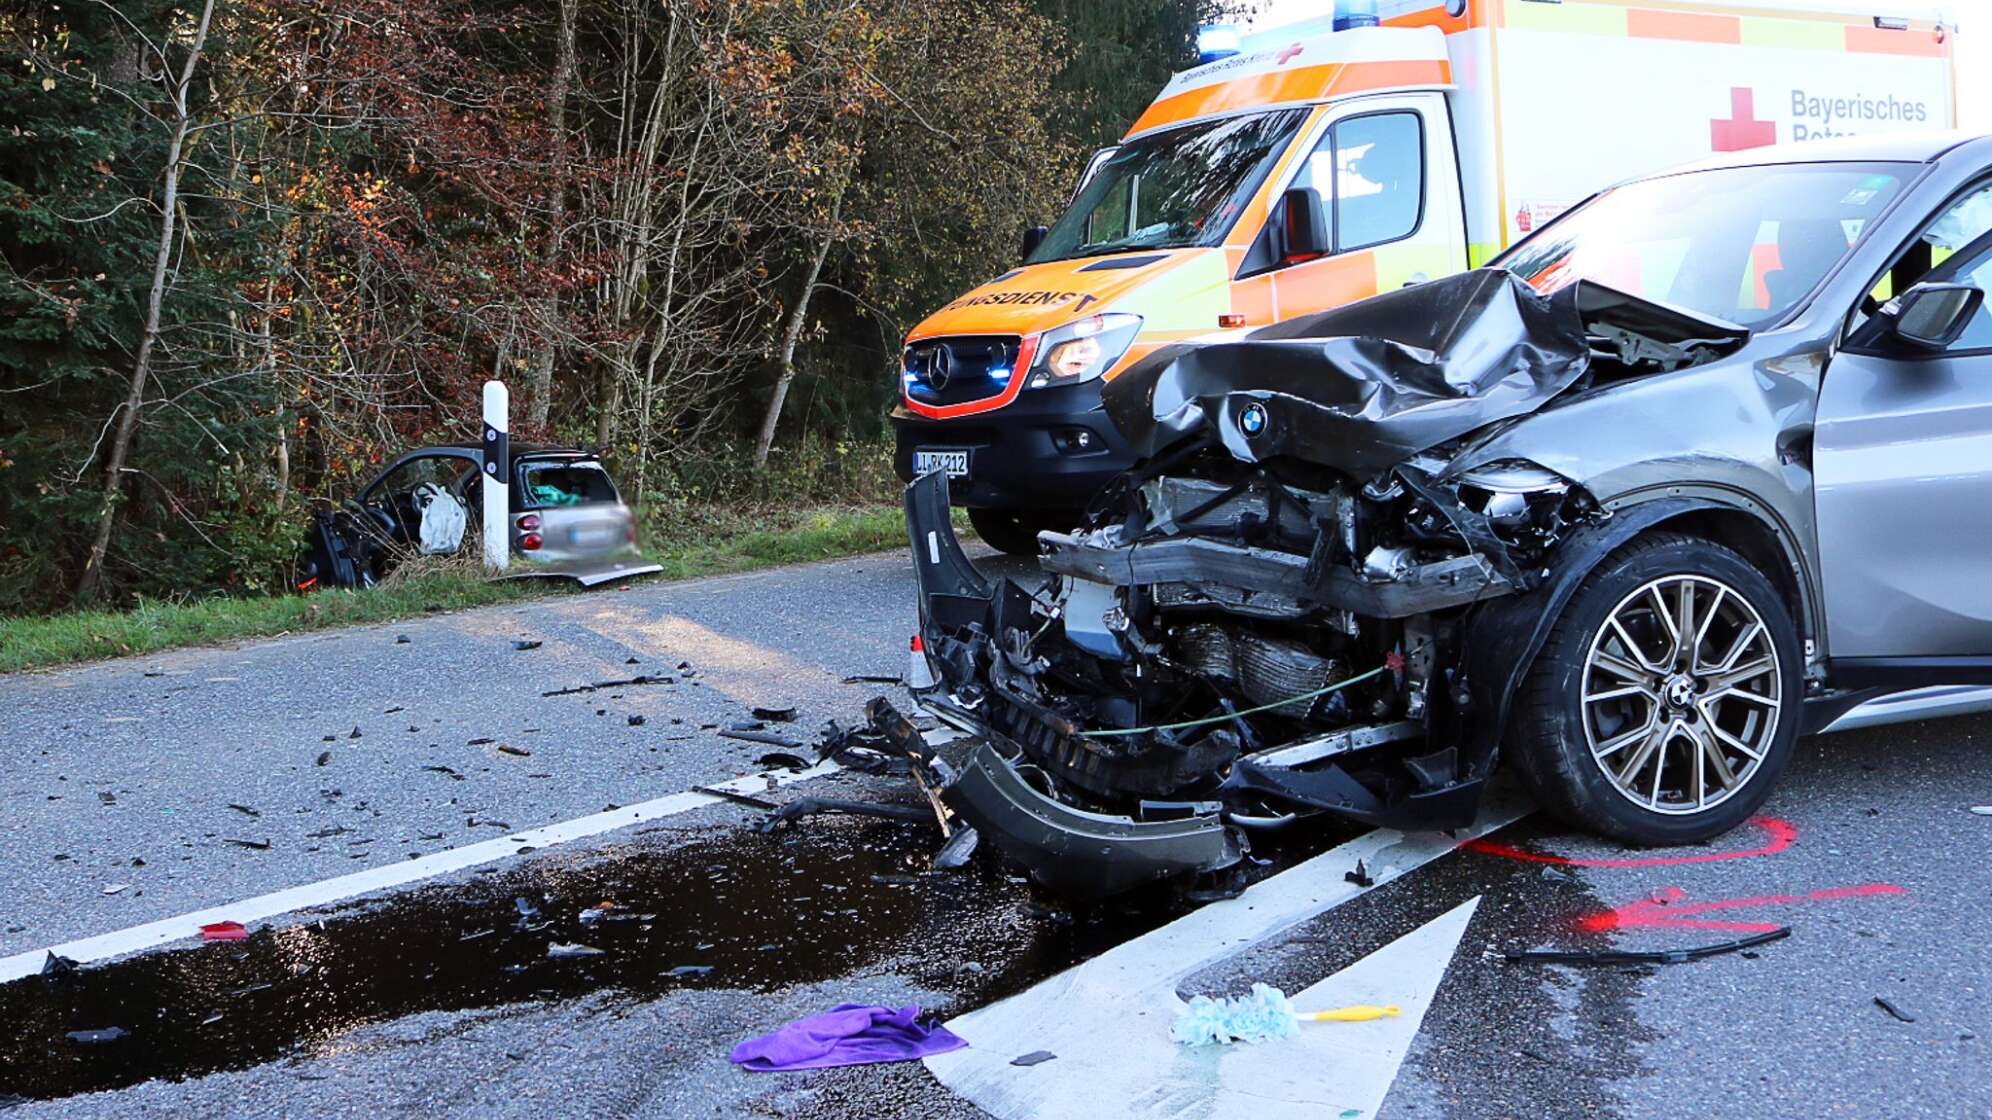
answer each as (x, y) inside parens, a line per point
(1664, 909)
(1781, 834)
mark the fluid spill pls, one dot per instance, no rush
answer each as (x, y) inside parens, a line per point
(738, 911)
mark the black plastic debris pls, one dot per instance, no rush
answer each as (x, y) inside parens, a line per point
(766, 737)
(959, 849)
(106, 797)
(637, 721)
(401, 639)
(57, 965)
(1899, 1014)
(775, 715)
(861, 748)
(324, 757)
(746, 725)
(100, 1035)
(507, 748)
(356, 732)
(736, 798)
(1035, 1057)
(481, 741)
(600, 685)
(810, 806)
(632, 661)
(1360, 876)
(245, 810)
(871, 678)
(784, 760)
(523, 644)
(257, 845)
(1644, 956)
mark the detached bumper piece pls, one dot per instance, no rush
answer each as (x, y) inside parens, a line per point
(1076, 851)
(587, 573)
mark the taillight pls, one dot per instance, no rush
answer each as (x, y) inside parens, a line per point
(528, 522)
(530, 542)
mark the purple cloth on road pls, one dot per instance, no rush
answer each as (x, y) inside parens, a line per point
(849, 1034)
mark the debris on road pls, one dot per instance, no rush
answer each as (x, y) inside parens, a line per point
(1642, 956)
(57, 965)
(507, 748)
(117, 888)
(849, 1034)
(524, 644)
(93, 1037)
(598, 686)
(809, 806)
(959, 849)
(1035, 1057)
(784, 760)
(637, 721)
(245, 810)
(324, 757)
(775, 715)
(1262, 1016)
(1982, 810)
(689, 970)
(764, 737)
(262, 845)
(224, 931)
(1360, 876)
(736, 798)
(872, 678)
(1899, 1014)
(561, 950)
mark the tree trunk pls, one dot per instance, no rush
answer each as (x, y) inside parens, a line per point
(540, 381)
(791, 335)
(127, 417)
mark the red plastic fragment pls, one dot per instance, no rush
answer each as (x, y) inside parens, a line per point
(224, 931)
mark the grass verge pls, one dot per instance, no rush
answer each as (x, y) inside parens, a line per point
(742, 541)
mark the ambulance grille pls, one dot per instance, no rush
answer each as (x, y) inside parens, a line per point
(959, 369)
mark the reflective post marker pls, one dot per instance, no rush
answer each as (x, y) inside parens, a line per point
(497, 476)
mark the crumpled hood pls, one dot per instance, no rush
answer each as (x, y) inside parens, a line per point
(1365, 386)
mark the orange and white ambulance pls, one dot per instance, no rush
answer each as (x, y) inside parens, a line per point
(1317, 166)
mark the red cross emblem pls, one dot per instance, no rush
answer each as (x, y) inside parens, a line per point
(1742, 129)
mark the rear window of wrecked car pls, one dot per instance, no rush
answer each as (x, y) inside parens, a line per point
(554, 485)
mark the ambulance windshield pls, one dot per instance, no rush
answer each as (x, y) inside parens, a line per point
(1174, 189)
(1740, 244)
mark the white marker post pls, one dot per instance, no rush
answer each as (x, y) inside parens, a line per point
(497, 476)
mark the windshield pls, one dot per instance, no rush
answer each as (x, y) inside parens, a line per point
(1743, 244)
(1175, 189)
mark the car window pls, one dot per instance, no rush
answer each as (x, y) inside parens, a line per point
(565, 484)
(441, 471)
(1370, 173)
(1742, 244)
(1976, 272)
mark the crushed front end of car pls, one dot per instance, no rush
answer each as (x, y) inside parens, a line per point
(1293, 605)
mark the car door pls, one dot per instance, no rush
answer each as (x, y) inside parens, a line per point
(1903, 476)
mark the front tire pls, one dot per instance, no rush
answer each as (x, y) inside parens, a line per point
(1667, 700)
(1014, 531)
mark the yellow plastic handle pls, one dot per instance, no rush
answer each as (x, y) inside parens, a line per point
(1361, 1013)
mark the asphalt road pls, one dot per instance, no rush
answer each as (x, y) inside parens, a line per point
(439, 997)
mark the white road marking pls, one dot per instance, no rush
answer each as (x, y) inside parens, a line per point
(1108, 1019)
(151, 935)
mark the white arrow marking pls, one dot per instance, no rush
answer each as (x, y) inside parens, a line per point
(1108, 1019)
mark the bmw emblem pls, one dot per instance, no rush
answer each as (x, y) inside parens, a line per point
(1253, 419)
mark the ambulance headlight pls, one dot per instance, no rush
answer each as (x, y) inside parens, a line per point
(1083, 350)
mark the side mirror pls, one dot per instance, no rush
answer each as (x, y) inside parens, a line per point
(1303, 225)
(1033, 237)
(1932, 316)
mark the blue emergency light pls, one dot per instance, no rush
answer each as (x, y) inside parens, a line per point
(1222, 40)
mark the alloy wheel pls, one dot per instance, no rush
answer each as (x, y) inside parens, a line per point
(1682, 692)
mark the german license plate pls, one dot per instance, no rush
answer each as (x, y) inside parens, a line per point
(955, 463)
(592, 538)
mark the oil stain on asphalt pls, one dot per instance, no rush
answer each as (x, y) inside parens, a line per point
(735, 910)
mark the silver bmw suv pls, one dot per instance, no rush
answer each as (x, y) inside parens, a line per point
(1701, 466)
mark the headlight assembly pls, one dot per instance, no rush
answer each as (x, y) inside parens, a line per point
(1082, 350)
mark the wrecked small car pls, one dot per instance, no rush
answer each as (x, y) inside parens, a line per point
(568, 520)
(1697, 467)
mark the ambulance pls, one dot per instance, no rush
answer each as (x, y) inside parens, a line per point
(1387, 143)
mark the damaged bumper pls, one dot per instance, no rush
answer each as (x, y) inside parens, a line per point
(1082, 852)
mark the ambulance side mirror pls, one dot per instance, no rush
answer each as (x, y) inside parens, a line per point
(1033, 237)
(1303, 226)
